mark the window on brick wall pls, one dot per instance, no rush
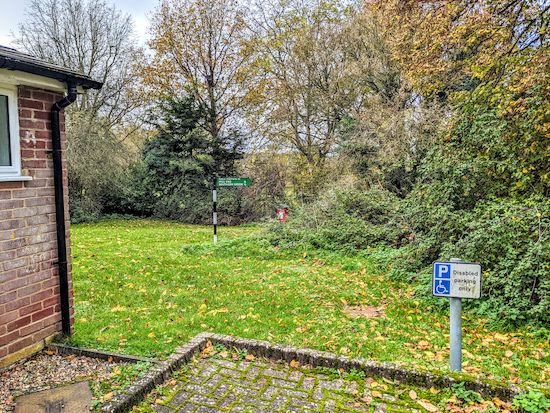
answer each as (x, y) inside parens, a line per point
(10, 153)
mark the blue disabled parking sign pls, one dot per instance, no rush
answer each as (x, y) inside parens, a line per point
(456, 279)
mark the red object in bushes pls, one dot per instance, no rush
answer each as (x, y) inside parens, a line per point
(282, 213)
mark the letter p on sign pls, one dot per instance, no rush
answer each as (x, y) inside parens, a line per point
(442, 271)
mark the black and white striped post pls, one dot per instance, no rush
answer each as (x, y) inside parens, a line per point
(215, 217)
(225, 182)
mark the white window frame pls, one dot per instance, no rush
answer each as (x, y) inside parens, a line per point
(13, 172)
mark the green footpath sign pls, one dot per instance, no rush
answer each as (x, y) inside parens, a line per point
(233, 181)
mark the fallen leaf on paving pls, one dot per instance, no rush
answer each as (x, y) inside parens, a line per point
(413, 395)
(294, 363)
(367, 399)
(158, 401)
(427, 405)
(110, 359)
(249, 357)
(377, 394)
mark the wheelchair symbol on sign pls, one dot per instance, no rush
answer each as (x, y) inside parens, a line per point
(440, 289)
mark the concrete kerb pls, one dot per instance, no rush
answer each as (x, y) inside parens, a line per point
(162, 370)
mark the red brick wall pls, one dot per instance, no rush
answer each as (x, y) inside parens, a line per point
(29, 284)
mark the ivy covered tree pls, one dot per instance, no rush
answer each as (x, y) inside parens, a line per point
(180, 161)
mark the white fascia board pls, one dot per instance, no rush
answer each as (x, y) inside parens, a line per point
(15, 77)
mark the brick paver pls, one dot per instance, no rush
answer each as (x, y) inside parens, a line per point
(217, 385)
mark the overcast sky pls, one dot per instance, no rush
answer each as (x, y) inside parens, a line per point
(13, 13)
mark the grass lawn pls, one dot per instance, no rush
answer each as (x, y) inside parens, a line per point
(146, 287)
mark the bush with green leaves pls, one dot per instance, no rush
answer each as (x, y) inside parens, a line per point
(346, 220)
(471, 203)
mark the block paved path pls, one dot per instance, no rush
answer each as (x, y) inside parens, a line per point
(219, 385)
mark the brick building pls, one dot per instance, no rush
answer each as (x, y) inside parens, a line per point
(35, 270)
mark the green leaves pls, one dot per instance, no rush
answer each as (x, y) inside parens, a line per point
(532, 402)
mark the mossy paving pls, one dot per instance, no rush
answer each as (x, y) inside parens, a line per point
(222, 385)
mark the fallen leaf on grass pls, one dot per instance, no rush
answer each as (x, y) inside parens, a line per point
(453, 408)
(224, 354)
(158, 401)
(249, 357)
(105, 328)
(501, 337)
(427, 405)
(377, 394)
(500, 403)
(151, 335)
(509, 353)
(374, 384)
(413, 395)
(433, 391)
(423, 344)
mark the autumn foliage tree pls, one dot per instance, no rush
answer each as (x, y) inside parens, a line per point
(308, 84)
(199, 47)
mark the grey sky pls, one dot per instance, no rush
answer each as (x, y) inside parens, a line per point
(12, 12)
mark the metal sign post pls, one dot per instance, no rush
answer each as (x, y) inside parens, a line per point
(215, 212)
(224, 182)
(456, 280)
